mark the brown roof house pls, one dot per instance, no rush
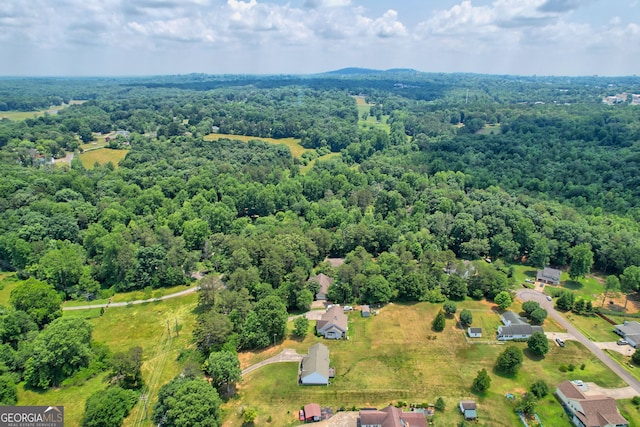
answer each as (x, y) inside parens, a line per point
(314, 368)
(333, 324)
(468, 409)
(589, 411)
(391, 417)
(549, 275)
(324, 282)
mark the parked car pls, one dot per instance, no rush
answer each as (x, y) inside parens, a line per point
(549, 298)
(622, 342)
(528, 280)
(560, 342)
(348, 308)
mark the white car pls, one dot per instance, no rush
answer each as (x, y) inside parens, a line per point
(549, 298)
(348, 308)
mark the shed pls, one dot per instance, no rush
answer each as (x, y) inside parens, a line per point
(366, 311)
(475, 332)
(312, 412)
(468, 409)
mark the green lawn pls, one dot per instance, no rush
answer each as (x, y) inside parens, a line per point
(593, 327)
(131, 296)
(385, 361)
(629, 411)
(145, 325)
(308, 166)
(8, 281)
(22, 115)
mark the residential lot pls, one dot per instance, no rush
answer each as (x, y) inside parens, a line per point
(395, 356)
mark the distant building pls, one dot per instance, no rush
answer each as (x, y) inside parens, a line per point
(589, 411)
(549, 275)
(323, 282)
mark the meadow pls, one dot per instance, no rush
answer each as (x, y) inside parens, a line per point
(384, 362)
(293, 143)
(163, 329)
(102, 156)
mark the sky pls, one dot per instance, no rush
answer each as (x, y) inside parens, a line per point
(159, 37)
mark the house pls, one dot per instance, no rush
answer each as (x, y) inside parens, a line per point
(365, 310)
(515, 327)
(323, 282)
(509, 318)
(549, 275)
(468, 409)
(630, 331)
(391, 417)
(312, 412)
(332, 324)
(589, 411)
(314, 368)
(122, 133)
(474, 332)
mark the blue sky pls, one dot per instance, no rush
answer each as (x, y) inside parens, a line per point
(150, 37)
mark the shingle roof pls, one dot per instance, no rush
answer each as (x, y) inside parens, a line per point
(334, 316)
(392, 417)
(598, 410)
(512, 317)
(549, 274)
(629, 328)
(468, 404)
(312, 410)
(316, 361)
(519, 330)
(323, 280)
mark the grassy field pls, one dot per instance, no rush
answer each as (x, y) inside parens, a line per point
(151, 326)
(294, 144)
(22, 115)
(489, 129)
(384, 362)
(307, 167)
(102, 156)
(8, 281)
(131, 296)
(593, 327)
(629, 411)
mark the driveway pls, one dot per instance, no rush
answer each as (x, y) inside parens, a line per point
(140, 301)
(286, 355)
(530, 295)
(311, 315)
(616, 393)
(627, 350)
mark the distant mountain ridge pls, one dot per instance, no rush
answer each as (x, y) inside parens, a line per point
(350, 71)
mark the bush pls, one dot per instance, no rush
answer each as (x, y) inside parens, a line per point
(440, 404)
(539, 389)
(636, 400)
(563, 368)
(438, 323)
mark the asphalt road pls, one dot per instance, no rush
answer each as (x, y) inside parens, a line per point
(140, 301)
(531, 295)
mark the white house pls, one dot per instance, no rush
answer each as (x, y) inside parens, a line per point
(515, 327)
(549, 275)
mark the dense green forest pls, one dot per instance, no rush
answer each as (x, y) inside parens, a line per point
(467, 167)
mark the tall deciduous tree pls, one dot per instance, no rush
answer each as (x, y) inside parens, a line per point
(510, 360)
(224, 369)
(186, 402)
(38, 299)
(482, 382)
(125, 368)
(538, 343)
(581, 261)
(630, 281)
(611, 284)
(503, 299)
(466, 317)
(109, 407)
(61, 349)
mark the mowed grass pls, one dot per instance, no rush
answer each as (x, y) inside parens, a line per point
(396, 356)
(102, 156)
(293, 143)
(22, 115)
(593, 327)
(131, 296)
(151, 326)
(629, 411)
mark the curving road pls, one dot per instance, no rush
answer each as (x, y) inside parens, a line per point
(530, 295)
(140, 301)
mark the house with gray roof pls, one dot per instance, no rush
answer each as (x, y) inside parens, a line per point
(630, 331)
(549, 275)
(468, 409)
(314, 368)
(332, 324)
(589, 411)
(515, 327)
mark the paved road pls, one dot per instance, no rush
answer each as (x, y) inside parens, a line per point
(286, 355)
(530, 295)
(140, 301)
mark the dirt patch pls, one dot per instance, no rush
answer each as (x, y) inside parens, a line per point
(617, 302)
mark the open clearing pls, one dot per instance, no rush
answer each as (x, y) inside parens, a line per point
(293, 143)
(385, 361)
(102, 156)
(22, 115)
(151, 326)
